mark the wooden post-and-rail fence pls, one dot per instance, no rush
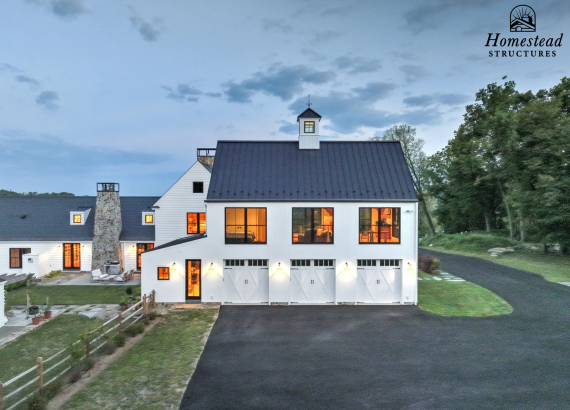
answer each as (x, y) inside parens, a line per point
(128, 317)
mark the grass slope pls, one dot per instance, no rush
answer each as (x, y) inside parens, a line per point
(44, 341)
(66, 295)
(155, 372)
(459, 299)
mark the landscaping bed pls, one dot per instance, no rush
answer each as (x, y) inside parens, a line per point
(155, 372)
(447, 298)
(67, 295)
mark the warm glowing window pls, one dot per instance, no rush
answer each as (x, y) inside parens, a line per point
(76, 218)
(163, 273)
(246, 225)
(196, 222)
(313, 225)
(142, 247)
(379, 225)
(309, 126)
(71, 256)
(193, 274)
(148, 219)
(16, 256)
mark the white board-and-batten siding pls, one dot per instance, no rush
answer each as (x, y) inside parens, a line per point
(50, 255)
(173, 206)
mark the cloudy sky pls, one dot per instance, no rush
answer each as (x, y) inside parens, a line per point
(125, 91)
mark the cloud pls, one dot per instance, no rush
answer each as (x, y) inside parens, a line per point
(348, 112)
(374, 91)
(413, 72)
(183, 92)
(336, 11)
(48, 100)
(357, 65)
(326, 35)
(26, 79)
(289, 127)
(436, 98)
(148, 31)
(48, 154)
(278, 80)
(67, 9)
(8, 67)
(278, 25)
(213, 95)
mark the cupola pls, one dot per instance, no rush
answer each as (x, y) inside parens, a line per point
(309, 129)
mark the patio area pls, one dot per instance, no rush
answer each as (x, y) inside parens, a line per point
(84, 278)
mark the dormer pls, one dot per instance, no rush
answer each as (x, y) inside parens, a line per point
(79, 215)
(309, 122)
(148, 216)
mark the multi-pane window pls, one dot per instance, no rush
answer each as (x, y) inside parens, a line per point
(71, 256)
(301, 262)
(76, 218)
(142, 247)
(235, 262)
(164, 273)
(379, 225)
(198, 187)
(313, 225)
(148, 219)
(389, 262)
(246, 225)
(366, 262)
(257, 262)
(309, 126)
(323, 262)
(196, 222)
(16, 256)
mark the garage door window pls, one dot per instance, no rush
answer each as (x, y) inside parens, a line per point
(235, 262)
(246, 225)
(389, 262)
(366, 262)
(313, 225)
(379, 225)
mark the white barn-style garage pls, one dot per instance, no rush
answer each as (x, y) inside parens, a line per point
(291, 222)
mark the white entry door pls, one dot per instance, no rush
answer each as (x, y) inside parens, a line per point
(379, 281)
(246, 281)
(312, 281)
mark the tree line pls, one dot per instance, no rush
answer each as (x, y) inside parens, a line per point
(507, 168)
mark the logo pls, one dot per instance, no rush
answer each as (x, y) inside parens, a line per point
(523, 19)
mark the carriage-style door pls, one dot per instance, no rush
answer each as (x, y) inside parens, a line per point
(193, 279)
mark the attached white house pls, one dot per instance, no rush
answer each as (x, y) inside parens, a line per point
(42, 234)
(288, 222)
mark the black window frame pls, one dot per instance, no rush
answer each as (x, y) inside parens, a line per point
(305, 127)
(21, 251)
(139, 247)
(312, 226)
(196, 184)
(198, 223)
(158, 272)
(77, 216)
(398, 226)
(245, 242)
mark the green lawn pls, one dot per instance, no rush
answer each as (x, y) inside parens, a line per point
(67, 295)
(44, 341)
(459, 299)
(552, 266)
(155, 372)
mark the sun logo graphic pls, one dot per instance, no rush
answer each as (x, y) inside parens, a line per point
(523, 19)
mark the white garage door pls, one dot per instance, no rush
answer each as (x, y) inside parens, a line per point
(312, 281)
(246, 281)
(379, 281)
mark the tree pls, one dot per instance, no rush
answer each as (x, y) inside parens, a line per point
(415, 158)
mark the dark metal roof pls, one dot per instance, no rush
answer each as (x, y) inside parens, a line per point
(81, 209)
(338, 171)
(47, 218)
(308, 113)
(178, 241)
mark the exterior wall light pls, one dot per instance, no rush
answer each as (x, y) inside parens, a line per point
(346, 268)
(211, 268)
(410, 266)
(279, 266)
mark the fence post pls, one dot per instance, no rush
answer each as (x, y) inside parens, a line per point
(120, 320)
(1, 396)
(153, 299)
(40, 371)
(145, 307)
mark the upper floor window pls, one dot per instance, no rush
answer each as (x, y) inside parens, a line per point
(196, 222)
(76, 218)
(309, 126)
(16, 256)
(246, 225)
(313, 225)
(148, 219)
(379, 225)
(198, 187)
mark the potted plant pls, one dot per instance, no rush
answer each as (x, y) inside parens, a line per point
(124, 302)
(36, 317)
(47, 312)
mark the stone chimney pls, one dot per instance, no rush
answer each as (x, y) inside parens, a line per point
(206, 156)
(108, 226)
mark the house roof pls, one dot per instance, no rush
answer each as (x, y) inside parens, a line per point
(308, 113)
(47, 218)
(81, 209)
(338, 171)
(178, 241)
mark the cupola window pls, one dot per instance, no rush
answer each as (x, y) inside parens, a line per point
(309, 127)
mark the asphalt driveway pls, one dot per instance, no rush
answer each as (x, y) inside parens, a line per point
(393, 357)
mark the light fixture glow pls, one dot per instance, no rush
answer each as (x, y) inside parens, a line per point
(211, 268)
(279, 266)
(410, 266)
(346, 266)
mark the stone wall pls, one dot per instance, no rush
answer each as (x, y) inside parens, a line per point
(107, 230)
(208, 160)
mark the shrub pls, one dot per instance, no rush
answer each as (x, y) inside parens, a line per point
(15, 285)
(129, 290)
(54, 274)
(119, 339)
(429, 264)
(134, 329)
(109, 348)
(145, 320)
(87, 363)
(75, 374)
(37, 402)
(469, 242)
(153, 314)
(51, 390)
